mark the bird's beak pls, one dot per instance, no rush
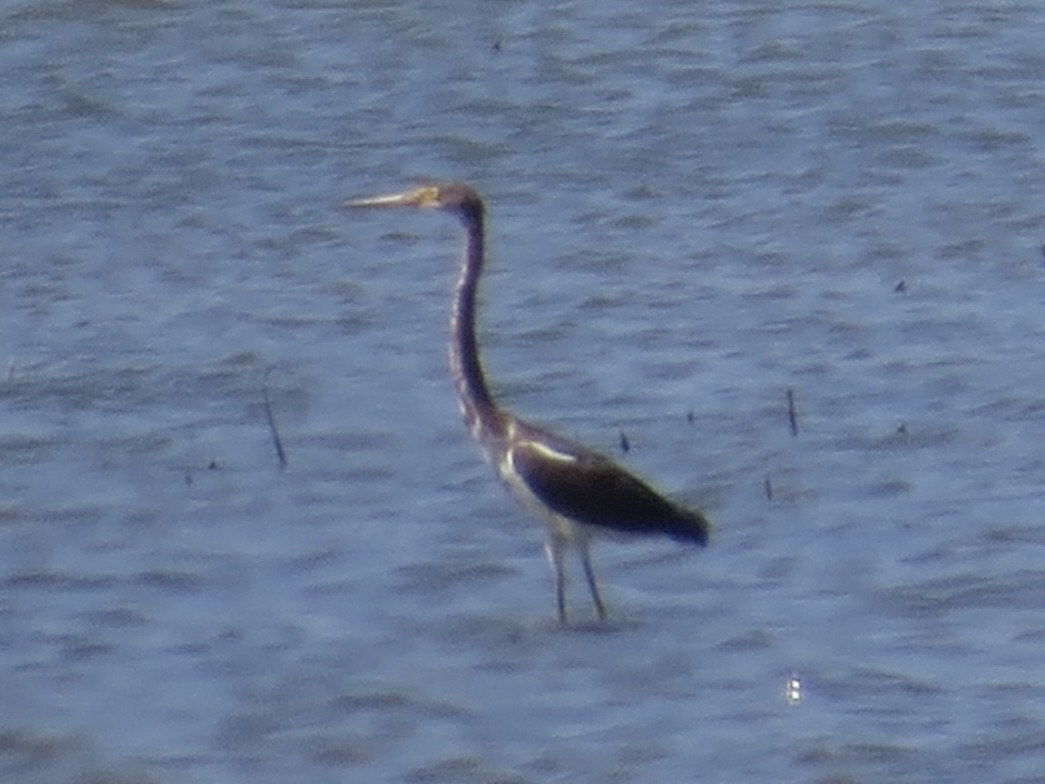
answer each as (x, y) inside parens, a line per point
(395, 200)
(420, 197)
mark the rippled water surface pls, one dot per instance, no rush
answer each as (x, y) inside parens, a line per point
(693, 209)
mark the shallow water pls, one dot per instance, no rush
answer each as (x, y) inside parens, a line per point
(692, 211)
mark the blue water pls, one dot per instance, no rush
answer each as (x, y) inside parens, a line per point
(692, 210)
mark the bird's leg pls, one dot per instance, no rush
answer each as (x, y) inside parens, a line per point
(554, 547)
(600, 608)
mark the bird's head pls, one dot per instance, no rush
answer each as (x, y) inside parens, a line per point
(451, 197)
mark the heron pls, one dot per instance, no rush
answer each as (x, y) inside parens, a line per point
(578, 493)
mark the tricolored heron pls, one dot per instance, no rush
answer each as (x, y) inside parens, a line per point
(577, 493)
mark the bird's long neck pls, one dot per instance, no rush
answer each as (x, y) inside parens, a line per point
(477, 405)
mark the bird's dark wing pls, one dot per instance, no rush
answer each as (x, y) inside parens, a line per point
(588, 488)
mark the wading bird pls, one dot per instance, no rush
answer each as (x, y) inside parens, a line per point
(577, 493)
